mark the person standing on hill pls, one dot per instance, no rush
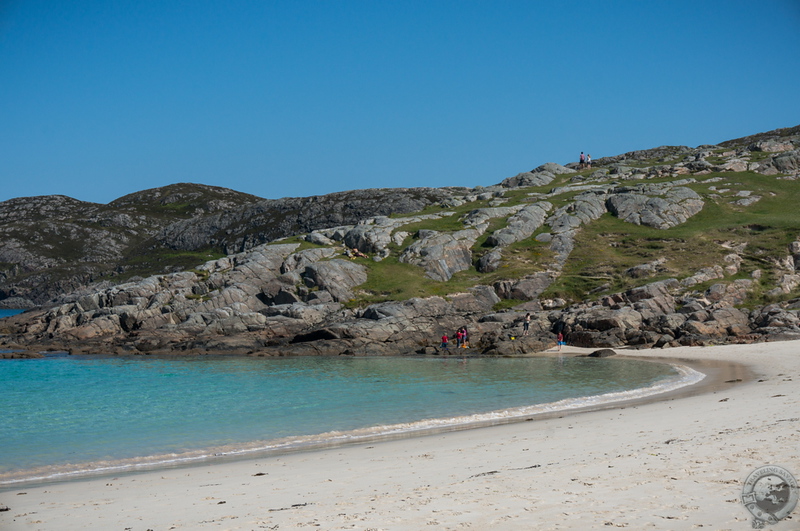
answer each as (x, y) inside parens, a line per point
(588, 161)
(582, 161)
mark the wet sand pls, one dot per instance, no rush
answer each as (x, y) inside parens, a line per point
(676, 463)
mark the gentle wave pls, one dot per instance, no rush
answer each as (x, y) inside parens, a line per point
(686, 376)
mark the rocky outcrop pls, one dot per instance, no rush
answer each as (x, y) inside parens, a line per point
(521, 225)
(337, 277)
(656, 206)
(268, 220)
(443, 254)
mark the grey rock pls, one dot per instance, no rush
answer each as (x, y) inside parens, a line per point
(521, 225)
(490, 261)
(554, 168)
(482, 215)
(602, 353)
(526, 289)
(529, 179)
(647, 270)
(654, 206)
(337, 276)
(443, 254)
(747, 201)
(704, 275)
(771, 146)
(300, 260)
(16, 303)
(787, 162)
(319, 238)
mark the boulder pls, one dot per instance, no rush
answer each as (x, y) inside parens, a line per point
(483, 215)
(521, 225)
(602, 353)
(601, 318)
(669, 323)
(337, 276)
(526, 179)
(647, 270)
(318, 238)
(613, 338)
(704, 275)
(730, 294)
(442, 254)
(519, 346)
(371, 238)
(525, 289)
(553, 168)
(707, 329)
(298, 261)
(490, 261)
(734, 321)
(771, 146)
(654, 206)
(787, 162)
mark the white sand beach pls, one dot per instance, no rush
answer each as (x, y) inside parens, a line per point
(678, 463)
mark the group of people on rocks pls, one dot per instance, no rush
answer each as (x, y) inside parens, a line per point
(526, 325)
(585, 161)
(461, 336)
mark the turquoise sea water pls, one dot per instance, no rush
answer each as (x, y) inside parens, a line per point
(8, 313)
(66, 415)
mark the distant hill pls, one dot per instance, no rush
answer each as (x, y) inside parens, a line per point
(51, 245)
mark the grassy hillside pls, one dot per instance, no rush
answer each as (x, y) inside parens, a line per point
(606, 248)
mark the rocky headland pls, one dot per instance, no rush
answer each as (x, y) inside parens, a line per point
(655, 248)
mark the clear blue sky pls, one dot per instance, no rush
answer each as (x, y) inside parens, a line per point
(99, 99)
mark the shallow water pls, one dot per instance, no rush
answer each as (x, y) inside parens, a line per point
(68, 414)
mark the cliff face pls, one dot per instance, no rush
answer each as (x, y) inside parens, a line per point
(660, 247)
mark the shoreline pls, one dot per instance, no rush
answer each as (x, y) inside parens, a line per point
(687, 381)
(681, 456)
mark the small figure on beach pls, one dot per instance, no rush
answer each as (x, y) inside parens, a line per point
(445, 343)
(526, 324)
(560, 340)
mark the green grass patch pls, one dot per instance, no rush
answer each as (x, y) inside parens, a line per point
(607, 247)
(443, 224)
(167, 260)
(391, 279)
